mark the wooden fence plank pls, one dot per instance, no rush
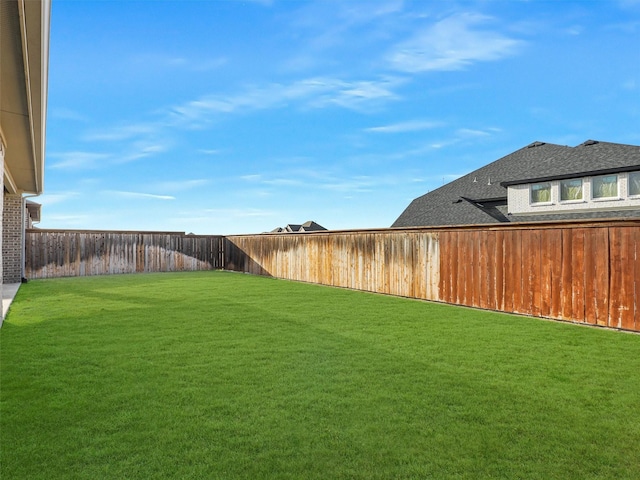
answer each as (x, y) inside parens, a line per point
(636, 277)
(499, 271)
(590, 277)
(584, 273)
(577, 275)
(567, 276)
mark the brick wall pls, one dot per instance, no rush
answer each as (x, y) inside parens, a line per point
(12, 232)
(1, 217)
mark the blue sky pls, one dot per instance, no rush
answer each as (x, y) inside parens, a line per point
(223, 117)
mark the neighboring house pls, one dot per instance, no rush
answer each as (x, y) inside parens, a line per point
(309, 226)
(24, 65)
(539, 182)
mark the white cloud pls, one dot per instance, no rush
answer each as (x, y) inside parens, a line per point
(357, 184)
(174, 62)
(318, 92)
(470, 132)
(119, 193)
(205, 151)
(575, 30)
(120, 133)
(53, 198)
(251, 178)
(180, 185)
(78, 160)
(411, 126)
(141, 150)
(452, 44)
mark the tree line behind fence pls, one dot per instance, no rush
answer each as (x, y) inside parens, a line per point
(582, 272)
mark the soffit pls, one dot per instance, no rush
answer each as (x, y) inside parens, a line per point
(23, 91)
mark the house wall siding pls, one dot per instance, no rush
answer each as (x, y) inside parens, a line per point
(519, 203)
(12, 231)
(1, 217)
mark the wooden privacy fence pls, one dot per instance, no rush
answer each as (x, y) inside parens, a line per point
(582, 272)
(64, 253)
(395, 262)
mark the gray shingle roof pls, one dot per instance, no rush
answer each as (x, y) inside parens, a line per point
(453, 203)
(309, 226)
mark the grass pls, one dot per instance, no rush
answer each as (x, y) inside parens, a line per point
(221, 375)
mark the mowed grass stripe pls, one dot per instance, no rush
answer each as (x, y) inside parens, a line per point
(222, 375)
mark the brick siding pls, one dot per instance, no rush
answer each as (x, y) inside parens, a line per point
(1, 217)
(12, 231)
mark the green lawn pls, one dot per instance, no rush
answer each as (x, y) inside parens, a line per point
(222, 375)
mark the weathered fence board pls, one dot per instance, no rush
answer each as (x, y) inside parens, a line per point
(59, 253)
(581, 272)
(402, 263)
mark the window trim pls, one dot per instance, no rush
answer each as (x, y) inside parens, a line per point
(629, 194)
(577, 200)
(606, 199)
(545, 203)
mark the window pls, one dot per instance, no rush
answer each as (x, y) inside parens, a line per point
(605, 186)
(570, 190)
(541, 192)
(634, 183)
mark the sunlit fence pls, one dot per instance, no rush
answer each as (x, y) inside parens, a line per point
(581, 272)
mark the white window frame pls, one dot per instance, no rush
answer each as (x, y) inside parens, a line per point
(577, 200)
(606, 199)
(547, 202)
(629, 194)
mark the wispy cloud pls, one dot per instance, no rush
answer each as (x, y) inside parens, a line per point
(119, 193)
(53, 198)
(326, 25)
(411, 126)
(61, 113)
(126, 153)
(319, 180)
(471, 132)
(78, 159)
(122, 132)
(210, 151)
(175, 62)
(141, 150)
(453, 43)
(318, 92)
(180, 185)
(356, 184)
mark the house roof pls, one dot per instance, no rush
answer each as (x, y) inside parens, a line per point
(309, 226)
(480, 196)
(587, 159)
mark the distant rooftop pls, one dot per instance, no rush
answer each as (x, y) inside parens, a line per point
(309, 226)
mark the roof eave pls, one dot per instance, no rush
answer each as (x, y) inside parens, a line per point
(605, 171)
(26, 88)
(34, 27)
